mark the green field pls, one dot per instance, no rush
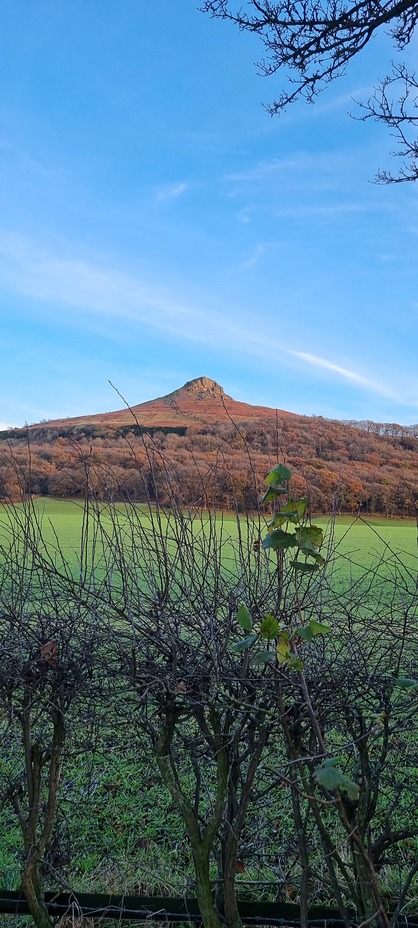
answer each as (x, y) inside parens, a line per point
(357, 547)
(375, 561)
(354, 544)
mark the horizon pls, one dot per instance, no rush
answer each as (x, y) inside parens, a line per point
(156, 222)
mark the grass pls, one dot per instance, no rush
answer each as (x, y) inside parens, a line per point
(118, 832)
(376, 559)
(359, 544)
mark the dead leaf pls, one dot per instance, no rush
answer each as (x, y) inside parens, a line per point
(180, 687)
(291, 892)
(49, 653)
(112, 787)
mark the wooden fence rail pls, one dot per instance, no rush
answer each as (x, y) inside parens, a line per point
(164, 909)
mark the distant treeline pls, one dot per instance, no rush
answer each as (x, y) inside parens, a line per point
(339, 466)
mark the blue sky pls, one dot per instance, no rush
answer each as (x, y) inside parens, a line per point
(157, 225)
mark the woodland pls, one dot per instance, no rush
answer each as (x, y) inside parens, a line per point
(340, 467)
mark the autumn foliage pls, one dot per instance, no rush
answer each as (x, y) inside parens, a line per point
(220, 450)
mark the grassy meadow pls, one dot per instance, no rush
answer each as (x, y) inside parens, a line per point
(353, 546)
(362, 539)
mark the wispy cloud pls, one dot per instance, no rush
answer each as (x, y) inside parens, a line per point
(302, 162)
(324, 105)
(30, 269)
(95, 293)
(263, 170)
(243, 215)
(320, 211)
(259, 250)
(19, 158)
(171, 191)
(359, 379)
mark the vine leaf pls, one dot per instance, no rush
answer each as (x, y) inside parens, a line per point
(244, 644)
(318, 628)
(263, 657)
(279, 474)
(280, 539)
(304, 566)
(269, 627)
(406, 683)
(331, 777)
(244, 618)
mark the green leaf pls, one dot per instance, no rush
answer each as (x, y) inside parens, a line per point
(279, 474)
(303, 566)
(244, 644)
(309, 552)
(244, 618)
(313, 628)
(280, 539)
(311, 536)
(295, 662)
(331, 777)
(295, 508)
(289, 516)
(262, 657)
(292, 511)
(269, 627)
(406, 683)
(351, 789)
(272, 493)
(331, 762)
(317, 628)
(276, 521)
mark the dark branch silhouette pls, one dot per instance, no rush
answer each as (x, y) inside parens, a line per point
(311, 43)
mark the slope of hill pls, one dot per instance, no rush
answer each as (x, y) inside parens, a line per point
(198, 402)
(218, 450)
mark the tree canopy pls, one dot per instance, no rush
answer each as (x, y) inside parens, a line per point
(313, 41)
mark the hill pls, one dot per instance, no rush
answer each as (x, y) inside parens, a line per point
(217, 450)
(199, 402)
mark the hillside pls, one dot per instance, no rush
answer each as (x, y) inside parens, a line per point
(217, 450)
(199, 402)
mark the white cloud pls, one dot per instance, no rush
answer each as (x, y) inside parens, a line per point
(171, 191)
(28, 268)
(341, 371)
(263, 170)
(244, 216)
(257, 253)
(343, 102)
